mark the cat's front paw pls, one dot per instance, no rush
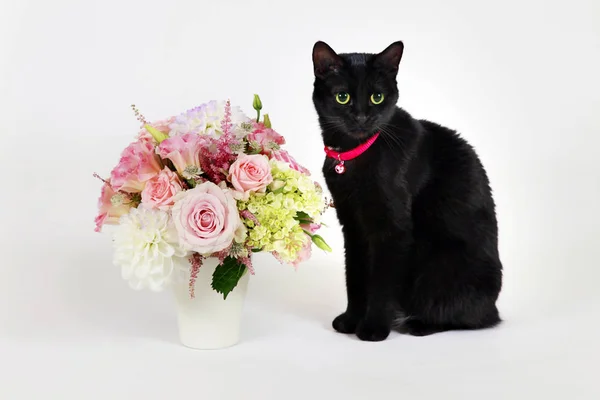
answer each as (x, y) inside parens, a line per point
(345, 323)
(373, 331)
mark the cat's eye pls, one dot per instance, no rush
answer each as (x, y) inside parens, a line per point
(377, 98)
(342, 97)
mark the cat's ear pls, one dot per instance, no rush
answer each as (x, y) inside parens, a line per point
(390, 57)
(325, 60)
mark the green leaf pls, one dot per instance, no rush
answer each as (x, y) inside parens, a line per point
(227, 275)
(256, 250)
(303, 218)
(303, 215)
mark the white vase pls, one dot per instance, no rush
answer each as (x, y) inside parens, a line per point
(207, 321)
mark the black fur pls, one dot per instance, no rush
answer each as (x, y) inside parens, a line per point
(416, 209)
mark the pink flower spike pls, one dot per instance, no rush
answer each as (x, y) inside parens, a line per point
(222, 255)
(99, 177)
(195, 264)
(248, 215)
(217, 157)
(226, 125)
(247, 261)
(278, 257)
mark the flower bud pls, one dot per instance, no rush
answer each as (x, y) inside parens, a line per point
(156, 134)
(267, 121)
(320, 243)
(257, 104)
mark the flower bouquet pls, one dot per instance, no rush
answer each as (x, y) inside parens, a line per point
(193, 197)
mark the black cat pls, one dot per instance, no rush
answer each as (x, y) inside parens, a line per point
(418, 217)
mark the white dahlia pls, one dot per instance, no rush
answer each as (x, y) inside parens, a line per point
(147, 249)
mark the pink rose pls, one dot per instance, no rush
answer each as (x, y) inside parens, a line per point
(250, 173)
(284, 156)
(161, 189)
(111, 207)
(206, 218)
(184, 152)
(138, 164)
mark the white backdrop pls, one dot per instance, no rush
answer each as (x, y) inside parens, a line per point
(519, 79)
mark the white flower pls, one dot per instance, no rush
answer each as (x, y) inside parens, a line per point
(241, 234)
(147, 249)
(305, 184)
(206, 119)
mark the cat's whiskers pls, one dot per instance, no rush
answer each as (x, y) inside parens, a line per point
(389, 137)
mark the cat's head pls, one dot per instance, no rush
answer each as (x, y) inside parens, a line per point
(355, 93)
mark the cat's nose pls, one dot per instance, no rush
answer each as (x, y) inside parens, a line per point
(361, 118)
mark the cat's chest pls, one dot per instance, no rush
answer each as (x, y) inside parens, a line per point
(350, 180)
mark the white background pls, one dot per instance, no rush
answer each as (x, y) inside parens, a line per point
(519, 79)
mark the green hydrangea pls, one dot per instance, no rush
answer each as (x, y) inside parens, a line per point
(276, 212)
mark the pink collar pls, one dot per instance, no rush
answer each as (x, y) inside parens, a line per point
(340, 168)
